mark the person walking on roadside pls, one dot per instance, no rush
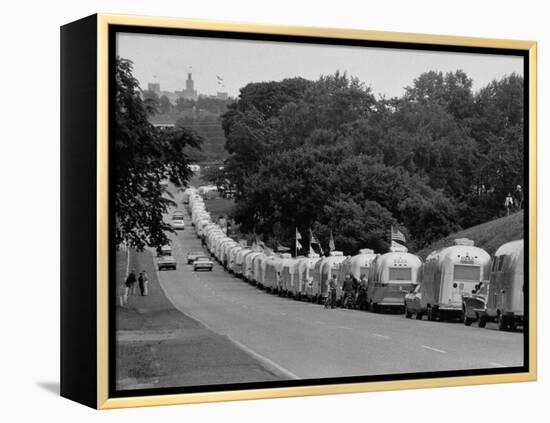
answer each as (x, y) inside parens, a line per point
(331, 295)
(361, 300)
(130, 283)
(143, 280)
(348, 287)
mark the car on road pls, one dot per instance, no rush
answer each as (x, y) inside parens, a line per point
(166, 263)
(474, 304)
(193, 255)
(203, 263)
(165, 250)
(178, 220)
(413, 304)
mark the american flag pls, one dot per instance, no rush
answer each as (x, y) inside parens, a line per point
(397, 235)
(314, 240)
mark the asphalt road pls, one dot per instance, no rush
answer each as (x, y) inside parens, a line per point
(304, 340)
(159, 347)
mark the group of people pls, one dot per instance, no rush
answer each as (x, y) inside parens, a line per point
(514, 201)
(354, 291)
(142, 281)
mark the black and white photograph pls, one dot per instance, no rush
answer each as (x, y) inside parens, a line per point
(289, 211)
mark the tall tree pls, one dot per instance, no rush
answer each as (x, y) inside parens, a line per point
(165, 106)
(144, 156)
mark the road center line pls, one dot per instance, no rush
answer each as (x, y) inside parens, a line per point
(434, 349)
(344, 327)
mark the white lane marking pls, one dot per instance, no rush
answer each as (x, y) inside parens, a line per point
(493, 363)
(344, 327)
(434, 349)
(266, 361)
(270, 364)
(380, 336)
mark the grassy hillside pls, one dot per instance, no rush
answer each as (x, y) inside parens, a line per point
(488, 235)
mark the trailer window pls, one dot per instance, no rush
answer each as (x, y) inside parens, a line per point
(466, 273)
(400, 273)
(501, 262)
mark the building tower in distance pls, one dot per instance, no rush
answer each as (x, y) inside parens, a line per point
(189, 93)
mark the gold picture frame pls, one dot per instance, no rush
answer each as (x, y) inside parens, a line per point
(103, 400)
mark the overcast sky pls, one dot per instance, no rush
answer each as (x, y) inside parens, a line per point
(167, 60)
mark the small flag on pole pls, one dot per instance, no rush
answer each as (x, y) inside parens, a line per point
(282, 248)
(314, 240)
(311, 251)
(298, 245)
(298, 235)
(331, 246)
(397, 235)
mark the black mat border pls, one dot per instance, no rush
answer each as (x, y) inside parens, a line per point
(113, 30)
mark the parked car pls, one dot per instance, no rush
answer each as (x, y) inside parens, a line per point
(193, 255)
(165, 250)
(474, 305)
(166, 263)
(203, 263)
(413, 304)
(178, 220)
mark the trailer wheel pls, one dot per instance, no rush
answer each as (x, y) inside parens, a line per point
(502, 323)
(467, 320)
(369, 306)
(418, 315)
(431, 314)
(482, 321)
(408, 314)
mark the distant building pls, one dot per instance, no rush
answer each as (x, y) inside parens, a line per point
(164, 125)
(154, 87)
(189, 93)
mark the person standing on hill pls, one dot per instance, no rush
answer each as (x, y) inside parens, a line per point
(508, 203)
(518, 197)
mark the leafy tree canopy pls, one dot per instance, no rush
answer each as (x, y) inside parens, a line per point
(144, 157)
(327, 154)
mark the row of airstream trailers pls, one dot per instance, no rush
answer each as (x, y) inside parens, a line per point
(440, 287)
